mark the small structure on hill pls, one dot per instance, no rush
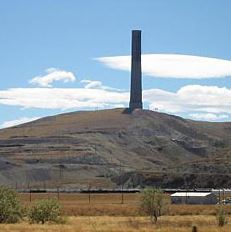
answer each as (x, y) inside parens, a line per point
(203, 198)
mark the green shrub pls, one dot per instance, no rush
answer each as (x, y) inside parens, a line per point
(221, 217)
(10, 209)
(153, 203)
(45, 211)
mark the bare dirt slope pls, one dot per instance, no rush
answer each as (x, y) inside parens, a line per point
(109, 147)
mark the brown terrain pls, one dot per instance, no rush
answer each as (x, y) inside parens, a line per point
(110, 148)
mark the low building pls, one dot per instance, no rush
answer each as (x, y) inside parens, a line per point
(203, 198)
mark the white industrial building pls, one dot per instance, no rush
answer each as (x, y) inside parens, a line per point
(204, 198)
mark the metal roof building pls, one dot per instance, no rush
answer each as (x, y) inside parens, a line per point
(205, 198)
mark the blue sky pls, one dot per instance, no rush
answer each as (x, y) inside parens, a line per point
(67, 35)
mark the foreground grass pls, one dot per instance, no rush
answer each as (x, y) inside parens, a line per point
(105, 213)
(123, 224)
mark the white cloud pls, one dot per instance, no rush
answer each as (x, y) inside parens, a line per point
(173, 65)
(89, 84)
(60, 98)
(209, 116)
(53, 75)
(17, 122)
(192, 100)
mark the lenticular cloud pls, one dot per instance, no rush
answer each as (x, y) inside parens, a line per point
(173, 65)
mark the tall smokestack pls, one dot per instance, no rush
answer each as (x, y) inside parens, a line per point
(136, 75)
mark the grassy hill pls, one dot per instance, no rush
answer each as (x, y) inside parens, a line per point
(108, 148)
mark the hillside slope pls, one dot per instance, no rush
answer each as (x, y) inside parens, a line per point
(112, 147)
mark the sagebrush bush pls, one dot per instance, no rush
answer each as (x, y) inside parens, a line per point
(45, 211)
(10, 209)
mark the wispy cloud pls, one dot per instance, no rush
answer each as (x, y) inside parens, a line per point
(16, 122)
(209, 116)
(89, 84)
(173, 65)
(52, 75)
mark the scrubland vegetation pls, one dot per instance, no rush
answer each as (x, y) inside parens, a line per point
(105, 212)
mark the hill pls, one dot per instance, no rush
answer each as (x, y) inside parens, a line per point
(109, 148)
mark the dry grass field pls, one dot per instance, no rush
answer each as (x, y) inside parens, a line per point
(105, 213)
(123, 224)
(98, 205)
(77, 204)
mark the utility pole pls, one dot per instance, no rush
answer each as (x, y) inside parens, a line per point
(223, 193)
(219, 196)
(58, 192)
(95, 148)
(121, 184)
(89, 193)
(30, 196)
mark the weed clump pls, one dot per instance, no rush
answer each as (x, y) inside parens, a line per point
(194, 228)
(221, 217)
